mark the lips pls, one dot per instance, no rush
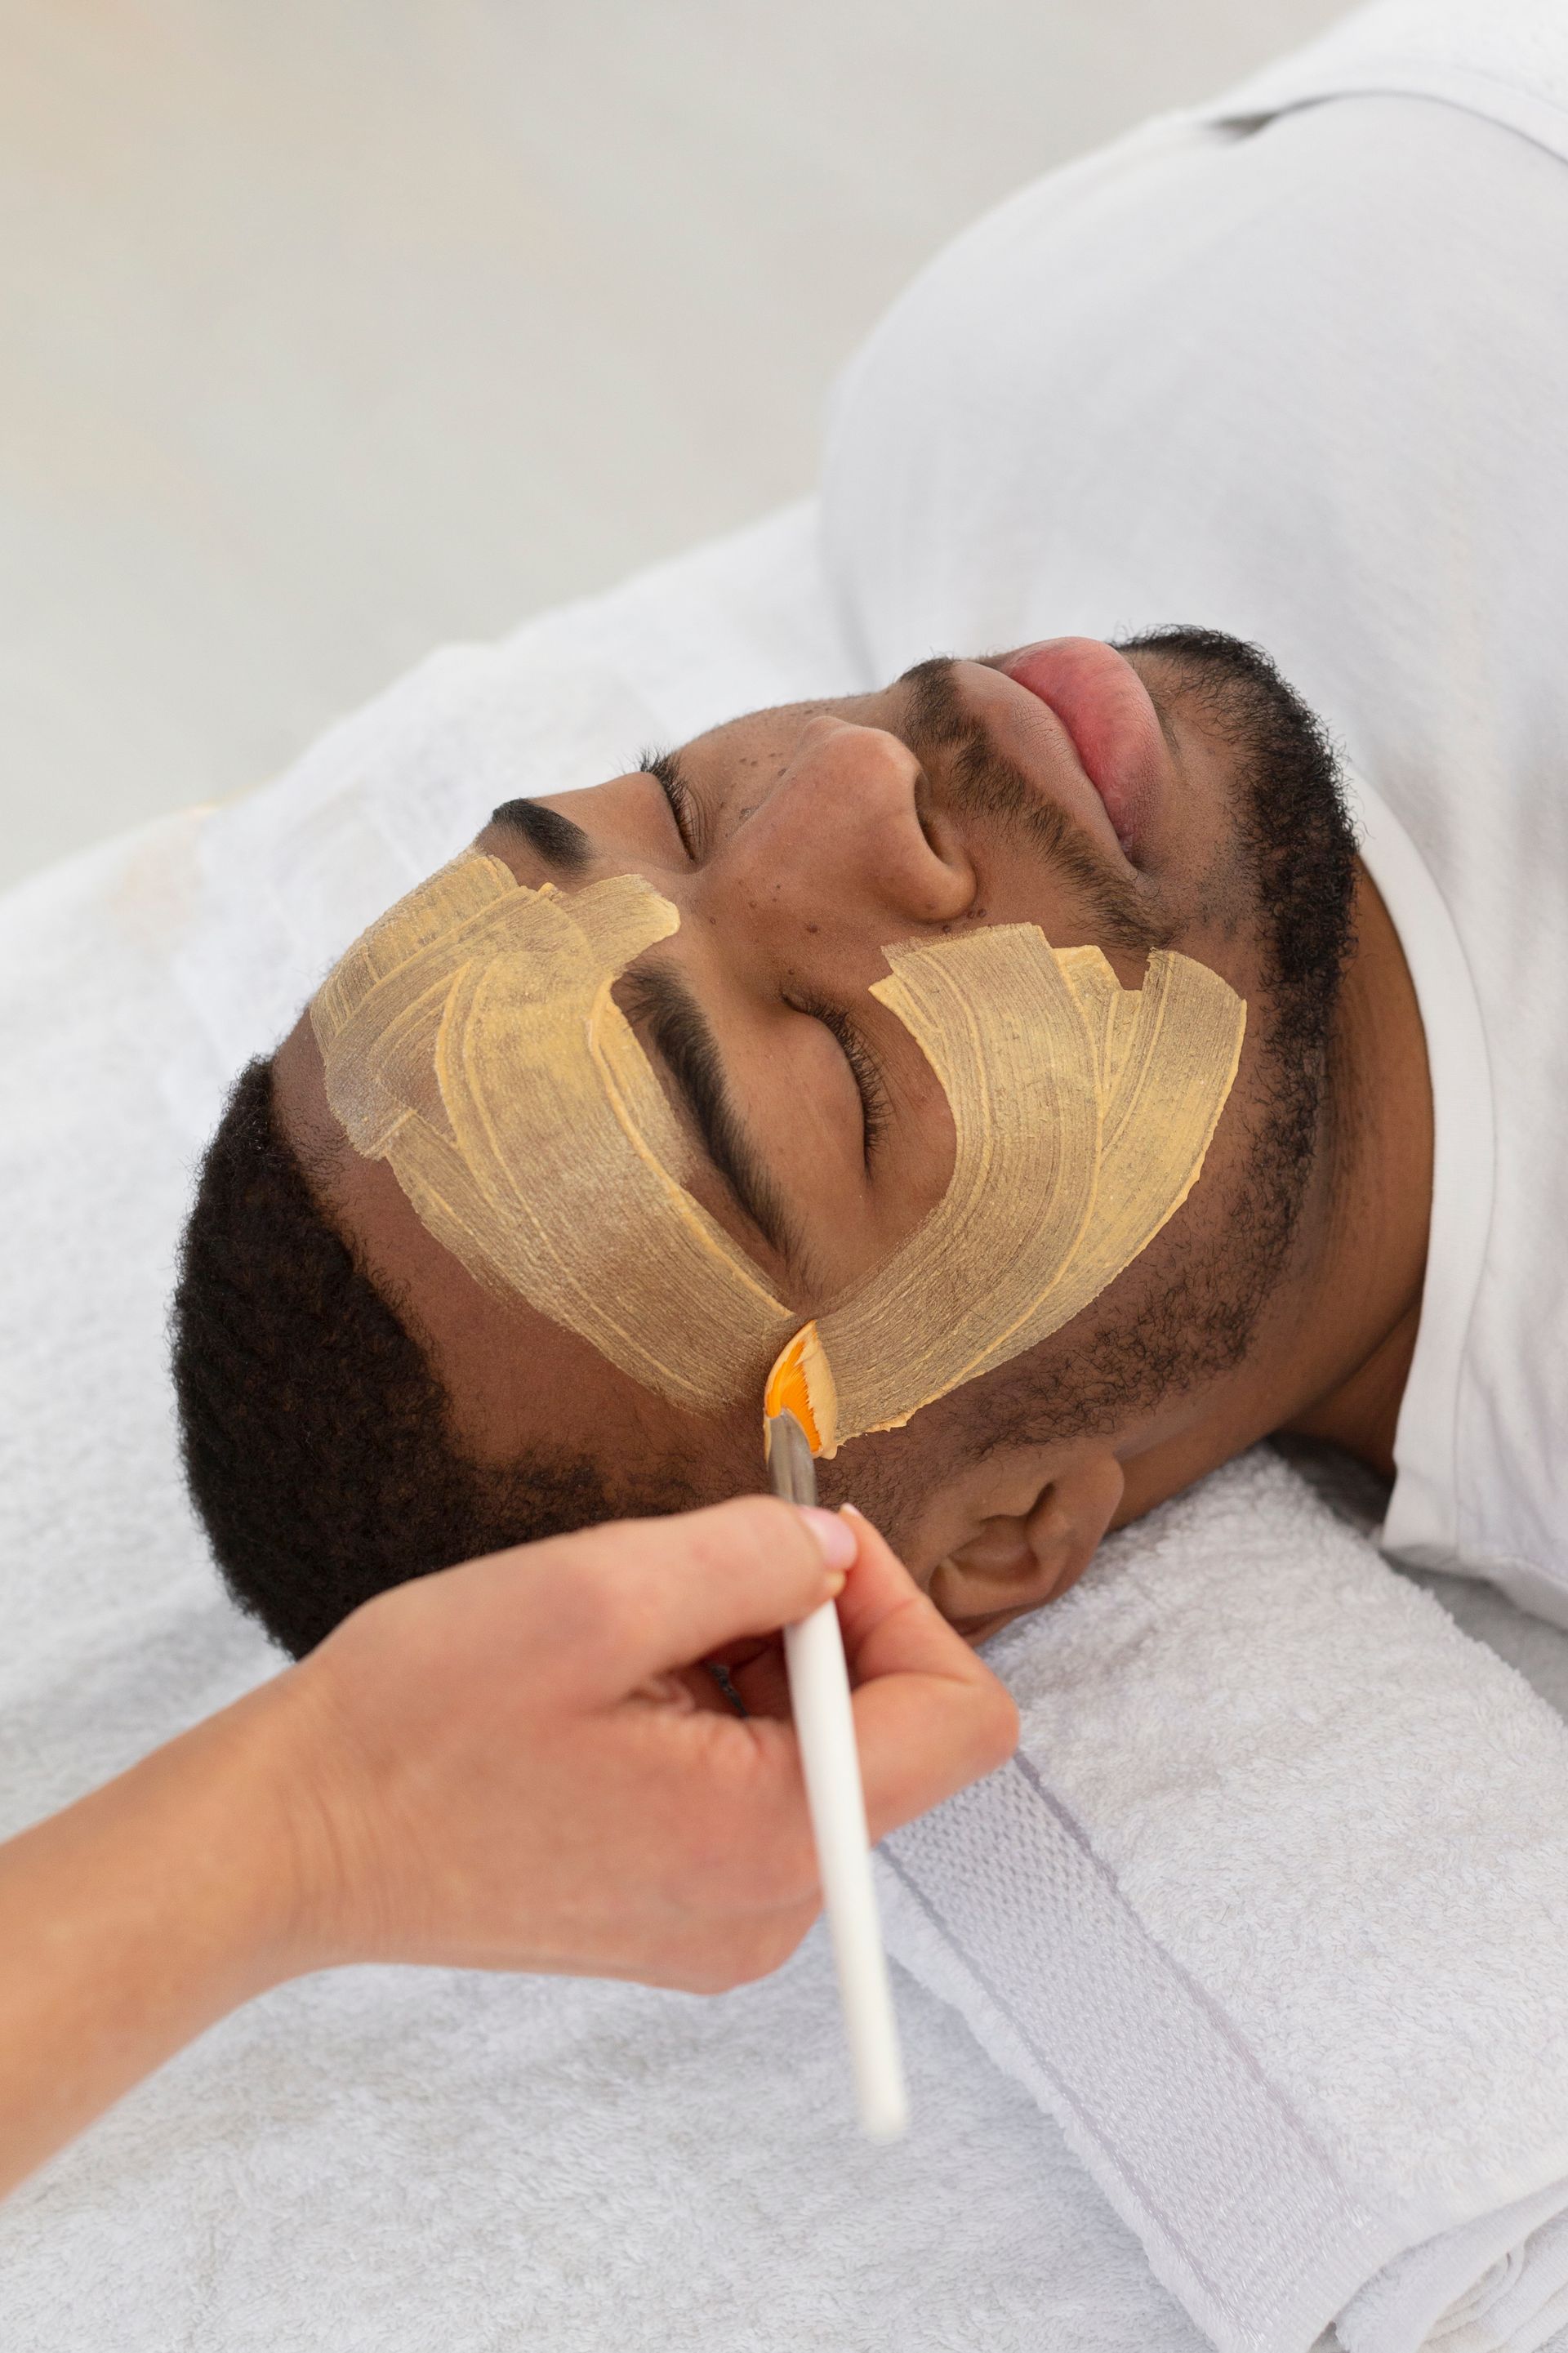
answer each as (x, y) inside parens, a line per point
(1104, 705)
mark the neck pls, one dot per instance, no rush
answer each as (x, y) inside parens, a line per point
(1334, 1361)
(1360, 1299)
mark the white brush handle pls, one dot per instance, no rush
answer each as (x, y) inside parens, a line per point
(824, 1725)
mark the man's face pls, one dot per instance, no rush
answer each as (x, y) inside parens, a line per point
(1099, 795)
(797, 843)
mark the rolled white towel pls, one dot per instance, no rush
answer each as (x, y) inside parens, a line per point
(1270, 1912)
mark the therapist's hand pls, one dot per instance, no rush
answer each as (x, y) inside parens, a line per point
(517, 1764)
(505, 1766)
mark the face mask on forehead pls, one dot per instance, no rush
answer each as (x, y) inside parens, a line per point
(471, 1040)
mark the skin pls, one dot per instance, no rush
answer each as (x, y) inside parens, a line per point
(803, 840)
(513, 1765)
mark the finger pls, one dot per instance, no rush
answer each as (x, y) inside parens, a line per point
(930, 1716)
(890, 1627)
(647, 1595)
(924, 1737)
(763, 1682)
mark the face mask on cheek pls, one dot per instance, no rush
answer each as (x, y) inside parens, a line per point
(471, 1040)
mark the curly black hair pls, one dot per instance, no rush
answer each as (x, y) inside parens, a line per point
(317, 1439)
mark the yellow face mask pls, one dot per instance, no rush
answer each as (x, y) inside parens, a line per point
(471, 1040)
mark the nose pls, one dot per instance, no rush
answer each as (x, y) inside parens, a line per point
(846, 840)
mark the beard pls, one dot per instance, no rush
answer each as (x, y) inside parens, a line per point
(1188, 1310)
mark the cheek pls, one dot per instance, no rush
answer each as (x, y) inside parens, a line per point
(681, 1462)
(898, 1479)
(1027, 890)
(1024, 890)
(1221, 897)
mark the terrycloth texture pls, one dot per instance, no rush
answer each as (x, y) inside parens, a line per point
(283, 881)
(1271, 1912)
(401, 2159)
(410, 2162)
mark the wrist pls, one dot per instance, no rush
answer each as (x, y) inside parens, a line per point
(232, 1810)
(136, 1919)
(275, 1774)
(221, 1806)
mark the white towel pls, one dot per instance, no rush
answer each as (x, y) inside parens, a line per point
(1269, 1916)
(1508, 60)
(278, 884)
(400, 2160)
(1271, 1912)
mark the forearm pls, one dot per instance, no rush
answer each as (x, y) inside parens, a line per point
(134, 1920)
(510, 1765)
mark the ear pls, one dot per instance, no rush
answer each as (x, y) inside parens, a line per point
(1014, 1562)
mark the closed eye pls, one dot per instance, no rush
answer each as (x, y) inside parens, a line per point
(664, 767)
(864, 1068)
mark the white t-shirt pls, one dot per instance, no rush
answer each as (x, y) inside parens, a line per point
(1295, 366)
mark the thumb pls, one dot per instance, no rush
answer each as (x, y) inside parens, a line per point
(649, 1595)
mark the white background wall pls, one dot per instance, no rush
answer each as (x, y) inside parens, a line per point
(330, 329)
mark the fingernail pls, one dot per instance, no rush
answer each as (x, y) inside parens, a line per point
(839, 1542)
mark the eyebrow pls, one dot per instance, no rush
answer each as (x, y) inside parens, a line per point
(684, 1039)
(560, 842)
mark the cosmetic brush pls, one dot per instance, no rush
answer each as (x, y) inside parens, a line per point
(825, 1726)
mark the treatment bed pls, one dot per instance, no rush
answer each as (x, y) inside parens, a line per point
(1236, 2009)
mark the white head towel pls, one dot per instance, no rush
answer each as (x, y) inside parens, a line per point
(1271, 1912)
